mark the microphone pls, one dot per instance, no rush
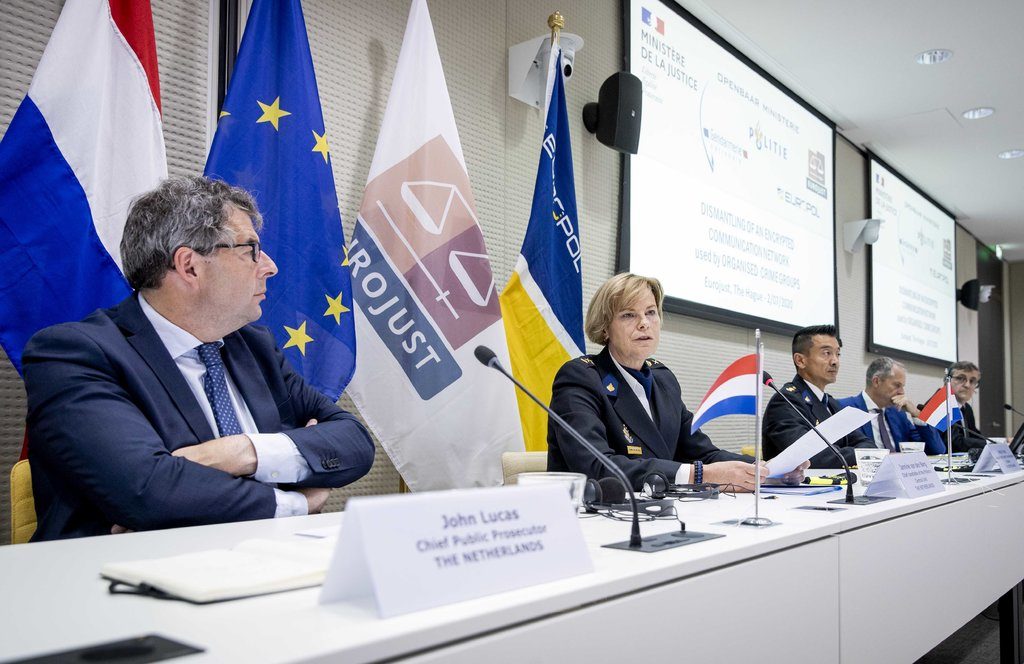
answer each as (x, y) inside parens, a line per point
(850, 499)
(1009, 407)
(487, 358)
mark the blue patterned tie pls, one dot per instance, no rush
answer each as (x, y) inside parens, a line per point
(216, 388)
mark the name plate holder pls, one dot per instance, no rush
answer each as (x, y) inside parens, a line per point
(907, 475)
(417, 551)
(997, 458)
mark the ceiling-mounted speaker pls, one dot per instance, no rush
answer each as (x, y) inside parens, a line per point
(615, 117)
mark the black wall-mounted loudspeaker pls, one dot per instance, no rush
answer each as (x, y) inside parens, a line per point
(615, 117)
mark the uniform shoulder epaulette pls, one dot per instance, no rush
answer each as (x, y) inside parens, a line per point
(585, 359)
(790, 387)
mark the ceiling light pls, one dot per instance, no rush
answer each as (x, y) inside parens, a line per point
(978, 113)
(934, 56)
(1011, 154)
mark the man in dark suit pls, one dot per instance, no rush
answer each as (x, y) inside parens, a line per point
(171, 409)
(885, 395)
(816, 352)
(964, 379)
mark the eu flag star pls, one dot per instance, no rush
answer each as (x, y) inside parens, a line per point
(335, 307)
(321, 144)
(298, 337)
(272, 113)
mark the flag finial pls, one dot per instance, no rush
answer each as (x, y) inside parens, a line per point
(556, 22)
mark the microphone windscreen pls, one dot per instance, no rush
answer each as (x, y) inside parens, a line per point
(766, 378)
(920, 406)
(1007, 406)
(612, 491)
(484, 354)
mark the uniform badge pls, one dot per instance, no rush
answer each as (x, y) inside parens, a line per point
(791, 388)
(634, 449)
(611, 385)
(586, 360)
(807, 399)
(628, 436)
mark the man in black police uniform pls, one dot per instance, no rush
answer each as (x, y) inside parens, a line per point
(816, 353)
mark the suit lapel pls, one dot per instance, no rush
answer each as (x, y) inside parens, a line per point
(247, 376)
(143, 338)
(631, 411)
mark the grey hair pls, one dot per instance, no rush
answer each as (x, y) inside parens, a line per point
(183, 211)
(882, 367)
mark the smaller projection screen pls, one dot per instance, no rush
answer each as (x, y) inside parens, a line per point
(730, 199)
(913, 272)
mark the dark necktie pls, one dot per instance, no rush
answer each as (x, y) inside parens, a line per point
(882, 431)
(216, 388)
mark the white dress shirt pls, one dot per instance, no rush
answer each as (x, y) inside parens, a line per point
(876, 435)
(277, 458)
(683, 474)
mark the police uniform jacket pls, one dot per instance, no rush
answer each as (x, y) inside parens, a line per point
(595, 399)
(782, 426)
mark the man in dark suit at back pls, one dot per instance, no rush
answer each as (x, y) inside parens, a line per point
(964, 380)
(816, 352)
(171, 409)
(885, 395)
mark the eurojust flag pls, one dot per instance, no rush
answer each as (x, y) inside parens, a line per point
(424, 293)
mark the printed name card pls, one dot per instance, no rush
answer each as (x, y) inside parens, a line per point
(908, 475)
(416, 551)
(997, 458)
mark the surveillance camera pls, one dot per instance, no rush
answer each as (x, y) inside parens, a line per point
(568, 59)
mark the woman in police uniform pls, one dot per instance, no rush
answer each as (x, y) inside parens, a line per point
(629, 405)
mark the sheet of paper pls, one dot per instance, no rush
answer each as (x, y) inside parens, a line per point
(810, 443)
(321, 533)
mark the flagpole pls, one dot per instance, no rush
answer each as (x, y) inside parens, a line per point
(757, 520)
(949, 430)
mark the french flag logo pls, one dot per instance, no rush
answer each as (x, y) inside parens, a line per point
(934, 412)
(734, 393)
(651, 20)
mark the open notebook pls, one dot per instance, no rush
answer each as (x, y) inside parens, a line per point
(253, 567)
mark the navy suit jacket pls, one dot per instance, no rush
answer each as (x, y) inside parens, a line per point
(107, 405)
(900, 427)
(594, 398)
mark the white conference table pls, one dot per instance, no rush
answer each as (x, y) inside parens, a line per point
(867, 584)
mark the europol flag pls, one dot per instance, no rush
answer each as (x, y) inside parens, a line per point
(86, 140)
(542, 304)
(734, 393)
(271, 141)
(934, 412)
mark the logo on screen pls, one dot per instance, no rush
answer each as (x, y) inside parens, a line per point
(947, 254)
(879, 180)
(652, 21)
(816, 173)
(765, 143)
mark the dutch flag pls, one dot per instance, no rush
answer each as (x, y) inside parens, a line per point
(734, 393)
(86, 140)
(934, 412)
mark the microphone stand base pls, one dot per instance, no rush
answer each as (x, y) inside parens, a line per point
(860, 500)
(959, 480)
(664, 541)
(757, 522)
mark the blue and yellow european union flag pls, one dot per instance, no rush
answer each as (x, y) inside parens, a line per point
(271, 141)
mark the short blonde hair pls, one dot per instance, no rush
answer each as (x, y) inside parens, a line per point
(612, 296)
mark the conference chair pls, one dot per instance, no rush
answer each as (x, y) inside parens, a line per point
(513, 463)
(23, 507)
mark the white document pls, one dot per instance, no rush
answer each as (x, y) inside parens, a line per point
(907, 475)
(416, 551)
(810, 443)
(997, 458)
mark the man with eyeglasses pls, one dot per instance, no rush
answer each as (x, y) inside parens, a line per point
(965, 378)
(172, 409)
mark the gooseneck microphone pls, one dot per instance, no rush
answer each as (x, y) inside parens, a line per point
(1009, 407)
(850, 498)
(661, 542)
(487, 358)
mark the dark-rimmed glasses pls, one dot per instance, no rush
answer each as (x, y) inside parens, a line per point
(254, 246)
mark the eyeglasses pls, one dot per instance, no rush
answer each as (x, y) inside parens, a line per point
(254, 246)
(964, 380)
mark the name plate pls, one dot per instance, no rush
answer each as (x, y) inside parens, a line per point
(997, 458)
(417, 551)
(908, 475)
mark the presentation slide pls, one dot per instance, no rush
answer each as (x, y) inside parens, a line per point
(913, 271)
(731, 193)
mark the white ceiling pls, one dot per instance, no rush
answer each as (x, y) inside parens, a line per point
(854, 61)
